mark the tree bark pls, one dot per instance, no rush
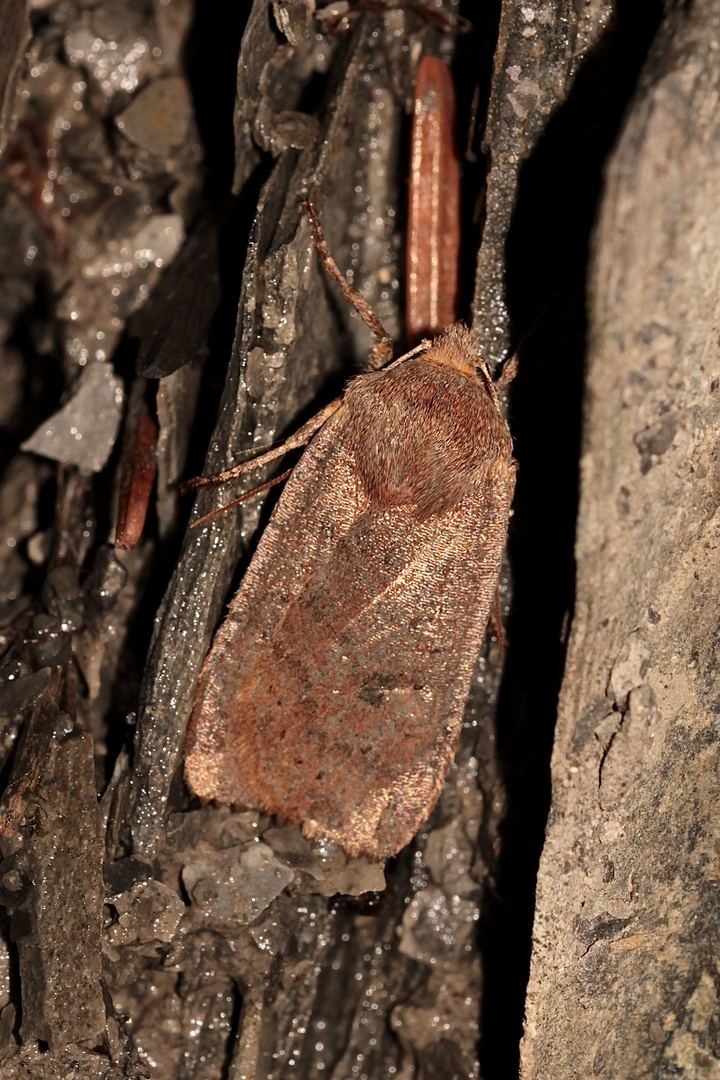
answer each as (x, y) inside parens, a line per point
(624, 976)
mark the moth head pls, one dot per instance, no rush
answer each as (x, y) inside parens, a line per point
(459, 349)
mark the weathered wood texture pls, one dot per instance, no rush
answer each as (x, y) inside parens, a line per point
(624, 971)
(15, 29)
(540, 49)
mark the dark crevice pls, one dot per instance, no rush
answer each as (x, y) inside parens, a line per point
(473, 55)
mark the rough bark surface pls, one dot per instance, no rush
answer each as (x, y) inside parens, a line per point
(624, 977)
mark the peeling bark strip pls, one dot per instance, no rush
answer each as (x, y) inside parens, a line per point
(433, 241)
(624, 972)
(334, 692)
(137, 470)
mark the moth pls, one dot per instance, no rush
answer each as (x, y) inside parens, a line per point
(334, 691)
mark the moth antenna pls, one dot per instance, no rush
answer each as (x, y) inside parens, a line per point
(508, 373)
(512, 364)
(382, 352)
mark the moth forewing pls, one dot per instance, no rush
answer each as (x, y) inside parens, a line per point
(333, 694)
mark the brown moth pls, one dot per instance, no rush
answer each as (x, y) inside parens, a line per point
(333, 694)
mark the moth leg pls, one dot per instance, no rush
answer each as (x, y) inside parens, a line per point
(382, 352)
(300, 438)
(241, 499)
